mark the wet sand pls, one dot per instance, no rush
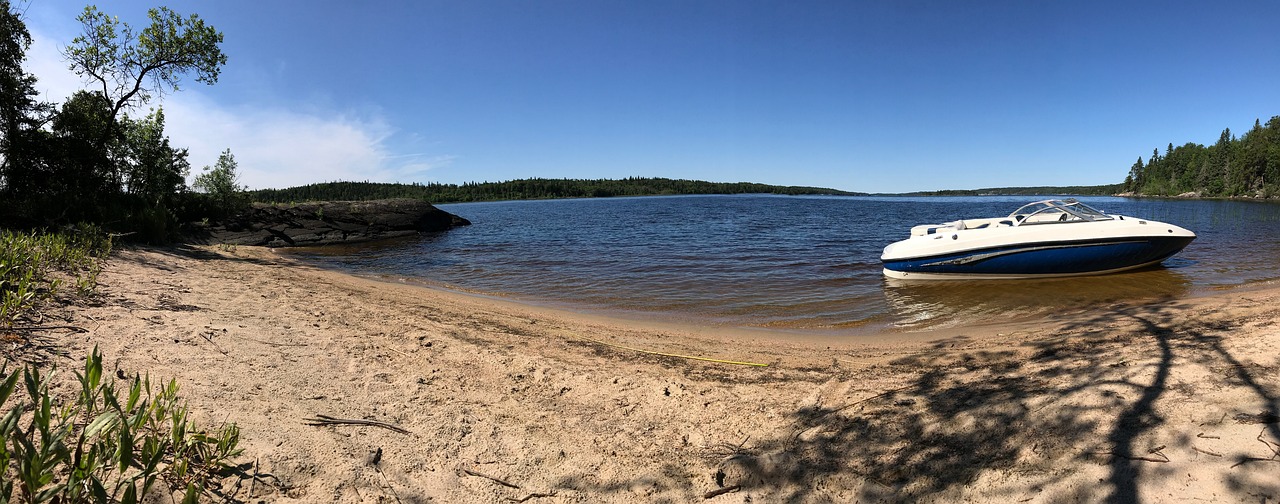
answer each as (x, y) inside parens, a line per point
(1171, 401)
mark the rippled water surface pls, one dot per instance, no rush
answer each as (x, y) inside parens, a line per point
(785, 261)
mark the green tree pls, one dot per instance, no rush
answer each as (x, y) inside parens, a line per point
(222, 185)
(1133, 182)
(128, 68)
(1247, 166)
(21, 114)
(153, 170)
(1212, 172)
(1271, 155)
(1250, 164)
(81, 169)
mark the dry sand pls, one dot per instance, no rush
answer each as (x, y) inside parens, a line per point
(1170, 402)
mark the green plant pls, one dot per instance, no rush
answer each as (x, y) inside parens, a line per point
(18, 298)
(221, 183)
(105, 446)
(87, 284)
(33, 266)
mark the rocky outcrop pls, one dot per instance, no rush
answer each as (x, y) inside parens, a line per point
(331, 222)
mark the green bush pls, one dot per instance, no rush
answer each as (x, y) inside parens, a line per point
(34, 266)
(105, 446)
(221, 185)
(152, 224)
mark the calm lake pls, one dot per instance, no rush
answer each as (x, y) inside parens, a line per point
(787, 262)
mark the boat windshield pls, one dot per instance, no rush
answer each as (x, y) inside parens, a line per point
(1068, 210)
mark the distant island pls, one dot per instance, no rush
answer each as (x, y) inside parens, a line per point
(539, 188)
(1097, 190)
(524, 189)
(1244, 167)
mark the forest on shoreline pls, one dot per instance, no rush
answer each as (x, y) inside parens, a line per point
(536, 188)
(102, 157)
(1098, 190)
(1244, 167)
(604, 188)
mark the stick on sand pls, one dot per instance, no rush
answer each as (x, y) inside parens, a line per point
(321, 420)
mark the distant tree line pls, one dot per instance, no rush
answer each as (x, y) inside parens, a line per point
(89, 159)
(1247, 166)
(536, 188)
(1097, 190)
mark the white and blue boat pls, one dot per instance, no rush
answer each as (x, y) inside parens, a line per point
(1049, 238)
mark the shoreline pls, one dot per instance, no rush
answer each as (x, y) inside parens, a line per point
(1166, 401)
(878, 326)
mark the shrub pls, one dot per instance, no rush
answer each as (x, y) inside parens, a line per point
(105, 446)
(33, 267)
(221, 184)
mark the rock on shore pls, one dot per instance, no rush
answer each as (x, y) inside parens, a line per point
(332, 222)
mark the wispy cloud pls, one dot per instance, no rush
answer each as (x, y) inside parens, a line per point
(281, 148)
(273, 146)
(54, 80)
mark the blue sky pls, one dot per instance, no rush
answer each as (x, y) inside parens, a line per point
(887, 96)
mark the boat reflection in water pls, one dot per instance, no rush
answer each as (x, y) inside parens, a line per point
(926, 305)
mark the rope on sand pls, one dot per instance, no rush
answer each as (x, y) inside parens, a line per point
(691, 357)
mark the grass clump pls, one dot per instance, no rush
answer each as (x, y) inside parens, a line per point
(36, 267)
(109, 444)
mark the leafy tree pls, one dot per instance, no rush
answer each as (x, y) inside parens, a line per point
(1271, 156)
(153, 170)
(1133, 182)
(222, 184)
(21, 114)
(128, 68)
(1247, 166)
(82, 170)
(89, 160)
(1217, 170)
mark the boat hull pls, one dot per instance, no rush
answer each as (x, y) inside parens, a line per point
(1042, 259)
(1049, 238)
(1035, 250)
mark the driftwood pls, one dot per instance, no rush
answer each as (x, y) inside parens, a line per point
(532, 496)
(1163, 458)
(268, 343)
(208, 336)
(77, 329)
(386, 481)
(322, 420)
(494, 479)
(721, 491)
(1274, 447)
(505, 483)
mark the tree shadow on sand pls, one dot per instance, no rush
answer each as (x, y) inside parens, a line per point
(1024, 422)
(1074, 397)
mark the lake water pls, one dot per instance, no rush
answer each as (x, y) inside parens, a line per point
(787, 262)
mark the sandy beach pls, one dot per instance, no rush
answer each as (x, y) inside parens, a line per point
(1174, 401)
